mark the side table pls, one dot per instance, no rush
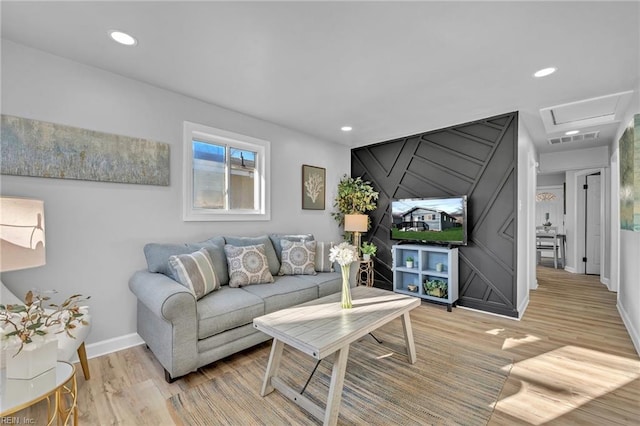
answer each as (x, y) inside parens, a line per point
(58, 383)
(365, 273)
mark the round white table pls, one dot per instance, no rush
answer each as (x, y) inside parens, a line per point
(59, 383)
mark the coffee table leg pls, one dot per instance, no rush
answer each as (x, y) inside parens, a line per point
(272, 366)
(335, 388)
(408, 337)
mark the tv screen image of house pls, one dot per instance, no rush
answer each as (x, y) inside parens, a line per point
(430, 220)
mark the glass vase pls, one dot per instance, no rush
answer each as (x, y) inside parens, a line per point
(346, 302)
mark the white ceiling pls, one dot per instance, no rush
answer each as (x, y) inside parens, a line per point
(389, 69)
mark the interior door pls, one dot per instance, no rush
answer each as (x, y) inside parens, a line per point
(593, 224)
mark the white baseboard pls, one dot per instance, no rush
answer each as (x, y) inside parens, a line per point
(570, 269)
(633, 333)
(111, 345)
(487, 313)
(606, 282)
(523, 307)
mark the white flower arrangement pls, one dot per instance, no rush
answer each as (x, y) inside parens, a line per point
(344, 253)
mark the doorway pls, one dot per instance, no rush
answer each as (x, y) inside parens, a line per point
(593, 224)
(550, 212)
(589, 222)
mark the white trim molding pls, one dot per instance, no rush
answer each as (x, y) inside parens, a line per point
(108, 346)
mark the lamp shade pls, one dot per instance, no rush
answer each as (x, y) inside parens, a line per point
(21, 233)
(356, 222)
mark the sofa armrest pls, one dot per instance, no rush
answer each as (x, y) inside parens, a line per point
(161, 295)
(167, 321)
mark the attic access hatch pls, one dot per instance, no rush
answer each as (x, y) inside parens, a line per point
(587, 113)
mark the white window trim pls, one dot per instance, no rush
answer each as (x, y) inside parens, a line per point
(262, 147)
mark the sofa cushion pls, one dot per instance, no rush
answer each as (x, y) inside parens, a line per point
(323, 264)
(195, 271)
(327, 282)
(215, 246)
(272, 258)
(247, 265)
(275, 239)
(288, 290)
(158, 254)
(226, 309)
(298, 258)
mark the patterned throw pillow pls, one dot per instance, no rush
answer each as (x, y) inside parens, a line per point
(276, 238)
(298, 258)
(323, 264)
(247, 265)
(195, 271)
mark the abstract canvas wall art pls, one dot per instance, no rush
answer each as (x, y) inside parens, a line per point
(41, 149)
(629, 154)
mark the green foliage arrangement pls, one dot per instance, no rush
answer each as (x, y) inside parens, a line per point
(355, 196)
(369, 248)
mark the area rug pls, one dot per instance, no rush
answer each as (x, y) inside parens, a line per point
(449, 384)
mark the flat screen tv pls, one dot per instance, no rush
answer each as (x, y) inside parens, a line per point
(441, 221)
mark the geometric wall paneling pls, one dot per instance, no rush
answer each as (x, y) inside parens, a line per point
(477, 159)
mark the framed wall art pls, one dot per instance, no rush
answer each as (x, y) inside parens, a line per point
(313, 187)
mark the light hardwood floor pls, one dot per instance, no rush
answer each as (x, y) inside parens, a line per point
(573, 362)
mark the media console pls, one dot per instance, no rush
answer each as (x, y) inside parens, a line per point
(433, 274)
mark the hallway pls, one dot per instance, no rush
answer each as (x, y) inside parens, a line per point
(574, 362)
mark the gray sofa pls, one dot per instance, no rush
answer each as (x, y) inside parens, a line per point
(185, 334)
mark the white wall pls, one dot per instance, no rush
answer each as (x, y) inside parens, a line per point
(96, 231)
(526, 261)
(550, 179)
(625, 245)
(575, 159)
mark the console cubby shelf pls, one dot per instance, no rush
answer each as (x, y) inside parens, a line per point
(434, 264)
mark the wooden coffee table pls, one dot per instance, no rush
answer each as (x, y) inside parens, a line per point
(321, 327)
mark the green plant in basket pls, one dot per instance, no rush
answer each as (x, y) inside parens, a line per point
(436, 288)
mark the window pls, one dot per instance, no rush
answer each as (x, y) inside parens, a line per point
(226, 175)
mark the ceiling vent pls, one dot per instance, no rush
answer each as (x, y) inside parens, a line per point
(575, 138)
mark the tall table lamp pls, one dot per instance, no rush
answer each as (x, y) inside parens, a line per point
(356, 223)
(21, 233)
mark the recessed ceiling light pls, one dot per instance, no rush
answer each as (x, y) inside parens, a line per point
(346, 128)
(545, 72)
(572, 132)
(123, 38)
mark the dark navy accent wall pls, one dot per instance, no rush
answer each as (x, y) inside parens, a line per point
(477, 159)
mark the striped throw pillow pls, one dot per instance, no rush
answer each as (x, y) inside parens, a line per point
(323, 264)
(195, 271)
